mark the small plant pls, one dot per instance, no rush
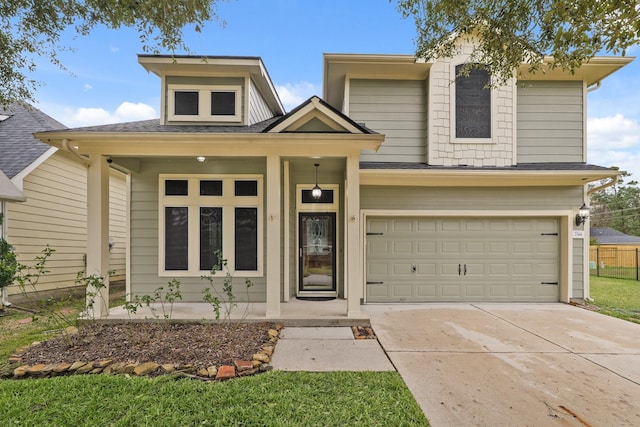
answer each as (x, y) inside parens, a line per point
(168, 298)
(224, 300)
(94, 285)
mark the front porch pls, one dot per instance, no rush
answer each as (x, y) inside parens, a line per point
(293, 313)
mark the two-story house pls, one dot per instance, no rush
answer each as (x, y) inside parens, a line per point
(400, 185)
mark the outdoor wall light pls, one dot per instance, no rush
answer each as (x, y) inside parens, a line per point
(582, 215)
(316, 191)
(200, 159)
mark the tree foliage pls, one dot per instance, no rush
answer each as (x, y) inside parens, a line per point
(32, 29)
(618, 207)
(515, 32)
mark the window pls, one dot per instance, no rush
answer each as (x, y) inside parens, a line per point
(204, 103)
(203, 214)
(473, 116)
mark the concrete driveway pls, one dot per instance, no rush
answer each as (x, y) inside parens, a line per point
(514, 364)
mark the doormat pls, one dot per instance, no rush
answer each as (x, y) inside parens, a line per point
(316, 298)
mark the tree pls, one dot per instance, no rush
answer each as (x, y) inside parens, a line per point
(515, 32)
(30, 29)
(618, 207)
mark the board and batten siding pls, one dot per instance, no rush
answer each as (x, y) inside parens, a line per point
(395, 108)
(481, 198)
(550, 121)
(144, 227)
(258, 109)
(55, 214)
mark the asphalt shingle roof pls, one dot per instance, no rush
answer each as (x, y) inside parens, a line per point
(609, 236)
(18, 147)
(155, 126)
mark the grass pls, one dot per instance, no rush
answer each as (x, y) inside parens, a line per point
(617, 297)
(274, 399)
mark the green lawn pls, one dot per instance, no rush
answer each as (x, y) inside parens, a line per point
(273, 399)
(617, 297)
(276, 398)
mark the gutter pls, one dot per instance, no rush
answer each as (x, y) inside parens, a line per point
(594, 86)
(71, 149)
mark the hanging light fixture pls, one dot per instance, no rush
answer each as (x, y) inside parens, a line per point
(316, 192)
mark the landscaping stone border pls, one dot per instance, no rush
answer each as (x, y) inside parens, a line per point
(261, 362)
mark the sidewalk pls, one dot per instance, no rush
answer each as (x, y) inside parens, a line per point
(323, 349)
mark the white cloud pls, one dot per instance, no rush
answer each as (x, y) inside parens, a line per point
(126, 112)
(293, 94)
(113, 49)
(87, 87)
(614, 141)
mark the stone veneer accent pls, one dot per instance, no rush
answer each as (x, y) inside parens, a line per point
(442, 150)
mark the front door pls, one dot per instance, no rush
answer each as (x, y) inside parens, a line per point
(316, 252)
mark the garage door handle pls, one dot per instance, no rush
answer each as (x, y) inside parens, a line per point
(548, 283)
(465, 269)
(375, 283)
(459, 269)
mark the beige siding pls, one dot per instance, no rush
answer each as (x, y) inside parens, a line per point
(395, 108)
(118, 224)
(144, 226)
(258, 108)
(55, 214)
(550, 121)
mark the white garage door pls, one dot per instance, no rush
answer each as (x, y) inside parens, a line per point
(462, 259)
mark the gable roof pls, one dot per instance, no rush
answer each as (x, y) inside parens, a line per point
(315, 109)
(18, 147)
(609, 236)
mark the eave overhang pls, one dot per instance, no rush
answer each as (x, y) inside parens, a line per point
(591, 72)
(180, 144)
(8, 191)
(482, 178)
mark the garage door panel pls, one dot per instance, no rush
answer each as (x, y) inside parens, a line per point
(423, 259)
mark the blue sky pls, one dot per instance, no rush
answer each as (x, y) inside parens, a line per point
(109, 86)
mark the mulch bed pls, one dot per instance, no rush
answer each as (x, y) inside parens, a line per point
(200, 345)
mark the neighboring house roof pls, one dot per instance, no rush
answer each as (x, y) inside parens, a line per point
(8, 191)
(18, 147)
(609, 236)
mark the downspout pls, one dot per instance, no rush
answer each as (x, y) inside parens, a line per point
(71, 149)
(594, 86)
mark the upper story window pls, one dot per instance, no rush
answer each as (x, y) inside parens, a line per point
(472, 104)
(221, 103)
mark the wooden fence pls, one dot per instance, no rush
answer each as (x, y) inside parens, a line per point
(616, 261)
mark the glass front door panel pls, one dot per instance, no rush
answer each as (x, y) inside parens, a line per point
(317, 252)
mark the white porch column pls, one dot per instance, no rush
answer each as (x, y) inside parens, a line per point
(98, 234)
(352, 205)
(273, 196)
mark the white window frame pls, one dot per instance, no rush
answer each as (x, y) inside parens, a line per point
(194, 201)
(452, 104)
(204, 103)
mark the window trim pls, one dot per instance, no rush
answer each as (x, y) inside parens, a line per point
(204, 103)
(452, 104)
(228, 202)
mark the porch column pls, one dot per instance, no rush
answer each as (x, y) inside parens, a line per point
(98, 235)
(352, 205)
(273, 196)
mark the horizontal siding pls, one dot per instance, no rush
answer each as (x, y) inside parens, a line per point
(118, 224)
(550, 122)
(144, 227)
(258, 108)
(395, 108)
(55, 213)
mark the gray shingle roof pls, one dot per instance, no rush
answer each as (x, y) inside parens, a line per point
(518, 167)
(18, 147)
(609, 236)
(155, 126)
